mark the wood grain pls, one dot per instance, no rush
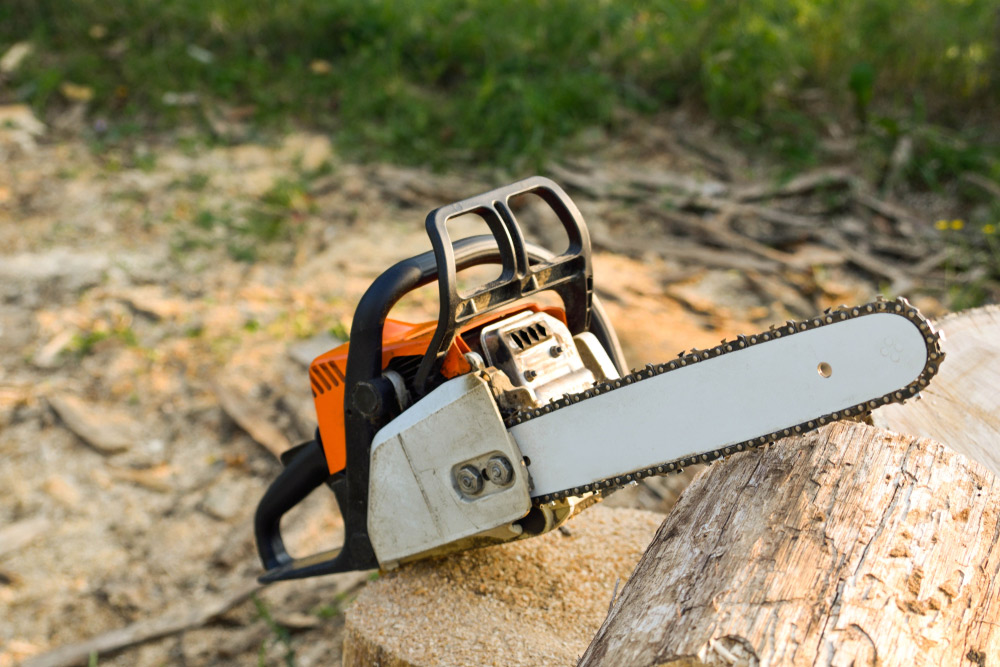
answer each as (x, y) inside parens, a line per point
(847, 546)
(961, 407)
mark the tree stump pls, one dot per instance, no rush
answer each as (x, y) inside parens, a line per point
(847, 546)
(535, 602)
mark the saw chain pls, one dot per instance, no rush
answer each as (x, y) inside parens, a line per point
(899, 306)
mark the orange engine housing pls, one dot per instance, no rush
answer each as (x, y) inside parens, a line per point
(328, 371)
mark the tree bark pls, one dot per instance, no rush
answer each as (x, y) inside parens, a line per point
(847, 546)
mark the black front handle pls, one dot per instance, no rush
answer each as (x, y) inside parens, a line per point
(305, 470)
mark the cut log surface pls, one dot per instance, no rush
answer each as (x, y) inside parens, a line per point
(535, 602)
(961, 406)
(847, 546)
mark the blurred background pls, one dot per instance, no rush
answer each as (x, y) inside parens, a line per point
(194, 195)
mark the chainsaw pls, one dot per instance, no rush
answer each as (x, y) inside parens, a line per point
(504, 418)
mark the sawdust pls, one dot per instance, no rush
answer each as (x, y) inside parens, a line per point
(536, 602)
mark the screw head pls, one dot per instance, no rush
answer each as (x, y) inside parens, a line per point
(530, 375)
(469, 480)
(556, 350)
(499, 471)
(367, 399)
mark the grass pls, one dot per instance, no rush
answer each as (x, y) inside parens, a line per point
(454, 83)
(512, 84)
(332, 609)
(262, 225)
(340, 331)
(973, 263)
(279, 632)
(84, 344)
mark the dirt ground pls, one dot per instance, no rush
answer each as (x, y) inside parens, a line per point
(159, 303)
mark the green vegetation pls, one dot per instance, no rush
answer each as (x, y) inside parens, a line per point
(280, 634)
(332, 609)
(249, 230)
(973, 262)
(509, 83)
(340, 331)
(84, 343)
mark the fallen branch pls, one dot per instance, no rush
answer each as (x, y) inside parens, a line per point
(106, 431)
(931, 263)
(721, 232)
(988, 186)
(765, 213)
(245, 415)
(144, 631)
(907, 249)
(902, 156)
(780, 292)
(685, 251)
(900, 281)
(22, 533)
(707, 156)
(592, 184)
(635, 184)
(800, 185)
(659, 180)
(885, 209)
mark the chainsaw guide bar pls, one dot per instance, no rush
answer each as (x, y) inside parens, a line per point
(899, 306)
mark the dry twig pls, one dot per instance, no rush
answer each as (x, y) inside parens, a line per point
(243, 413)
(145, 630)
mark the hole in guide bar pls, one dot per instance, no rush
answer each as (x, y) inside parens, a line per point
(824, 369)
